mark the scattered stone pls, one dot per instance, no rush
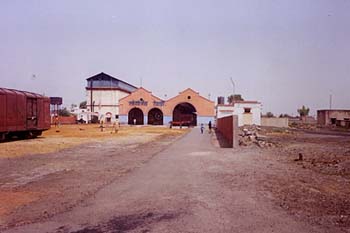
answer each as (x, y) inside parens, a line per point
(249, 136)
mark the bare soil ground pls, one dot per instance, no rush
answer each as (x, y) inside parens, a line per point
(51, 174)
(317, 187)
(117, 184)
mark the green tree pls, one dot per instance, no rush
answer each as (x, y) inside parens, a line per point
(269, 114)
(233, 98)
(64, 112)
(83, 104)
(304, 111)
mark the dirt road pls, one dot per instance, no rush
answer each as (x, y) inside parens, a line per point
(191, 186)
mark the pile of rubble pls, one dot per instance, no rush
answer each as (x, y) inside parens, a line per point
(253, 135)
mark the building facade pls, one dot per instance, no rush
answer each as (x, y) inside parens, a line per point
(103, 93)
(188, 108)
(248, 112)
(334, 118)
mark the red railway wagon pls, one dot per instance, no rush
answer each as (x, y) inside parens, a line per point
(23, 114)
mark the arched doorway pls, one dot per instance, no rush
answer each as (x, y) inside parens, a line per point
(155, 117)
(108, 118)
(135, 114)
(185, 114)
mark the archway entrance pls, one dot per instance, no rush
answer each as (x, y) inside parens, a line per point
(185, 114)
(155, 117)
(108, 117)
(135, 117)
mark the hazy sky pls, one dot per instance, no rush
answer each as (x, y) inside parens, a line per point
(282, 53)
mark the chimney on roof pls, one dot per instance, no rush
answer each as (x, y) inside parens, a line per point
(221, 100)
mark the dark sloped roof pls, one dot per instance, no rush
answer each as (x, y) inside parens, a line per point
(113, 82)
(104, 76)
(101, 76)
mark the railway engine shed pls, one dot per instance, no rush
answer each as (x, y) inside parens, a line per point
(188, 109)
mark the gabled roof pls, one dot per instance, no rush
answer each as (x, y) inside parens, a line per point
(104, 76)
(101, 76)
(192, 91)
(189, 89)
(142, 89)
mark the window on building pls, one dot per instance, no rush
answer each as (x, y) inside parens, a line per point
(247, 110)
(333, 121)
(189, 97)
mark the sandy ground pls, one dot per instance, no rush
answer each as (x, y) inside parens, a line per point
(187, 184)
(59, 169)
(66, 136)
(318, 187)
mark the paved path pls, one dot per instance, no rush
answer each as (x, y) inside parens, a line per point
(180, 190)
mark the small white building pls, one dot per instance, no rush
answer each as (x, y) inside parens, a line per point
(248, 112)
(103, 93)
(82, 114)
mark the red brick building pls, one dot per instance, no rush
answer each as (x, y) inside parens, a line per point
(188, 108)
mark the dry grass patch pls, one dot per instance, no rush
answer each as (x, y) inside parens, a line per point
(56, 139)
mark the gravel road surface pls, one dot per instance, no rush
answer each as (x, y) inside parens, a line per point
(191, 186)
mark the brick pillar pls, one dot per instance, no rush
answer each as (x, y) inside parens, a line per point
(235, 131)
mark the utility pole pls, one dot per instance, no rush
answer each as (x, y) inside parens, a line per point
(233, 86)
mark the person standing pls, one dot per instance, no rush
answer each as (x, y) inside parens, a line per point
(210, 126)
(202, 128)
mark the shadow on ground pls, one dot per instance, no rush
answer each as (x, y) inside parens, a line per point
(127, 223)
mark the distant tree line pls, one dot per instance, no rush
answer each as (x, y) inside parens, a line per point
(64, 112)
(303, 112)
(232, 98)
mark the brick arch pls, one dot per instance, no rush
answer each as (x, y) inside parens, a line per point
(135, 114)
(155, 117)
(185, 114)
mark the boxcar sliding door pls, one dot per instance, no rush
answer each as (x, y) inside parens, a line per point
(32, 113)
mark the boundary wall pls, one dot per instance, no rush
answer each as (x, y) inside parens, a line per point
(228, 127)
(64, 120)
(275, 122)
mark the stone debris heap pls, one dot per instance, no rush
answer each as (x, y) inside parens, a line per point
(253, 135)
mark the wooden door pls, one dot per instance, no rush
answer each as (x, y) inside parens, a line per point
(32, 113)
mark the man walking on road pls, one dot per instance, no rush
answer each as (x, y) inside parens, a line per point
(202, 128)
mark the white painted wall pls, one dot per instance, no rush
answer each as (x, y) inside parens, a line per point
(224, 111)
(238, 109)
(106, 101)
